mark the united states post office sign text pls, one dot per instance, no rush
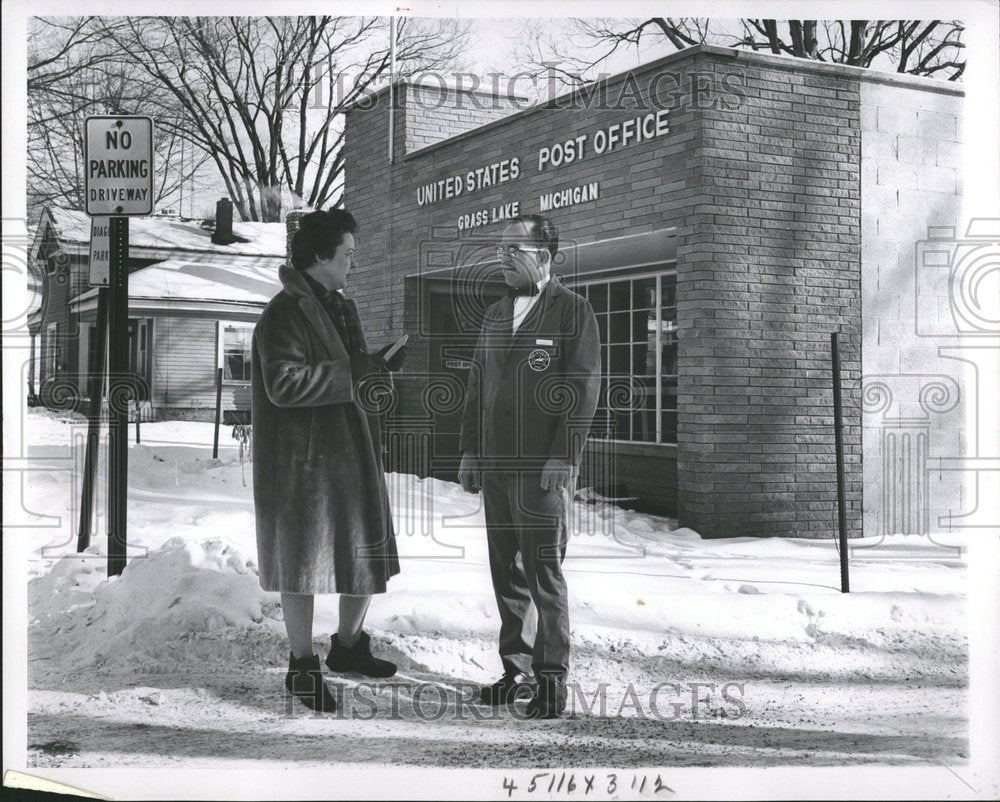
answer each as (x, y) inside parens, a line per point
(577, 147)
(118, 174)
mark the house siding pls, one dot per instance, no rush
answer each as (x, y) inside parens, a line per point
(184, 371)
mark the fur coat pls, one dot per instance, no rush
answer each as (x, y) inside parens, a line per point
(322, 511)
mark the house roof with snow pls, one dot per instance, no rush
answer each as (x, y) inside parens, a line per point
(178, 284)
(151, 236)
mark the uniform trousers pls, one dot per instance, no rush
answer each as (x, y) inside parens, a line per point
(526, 533)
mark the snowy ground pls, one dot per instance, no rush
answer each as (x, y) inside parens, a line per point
(756, 657)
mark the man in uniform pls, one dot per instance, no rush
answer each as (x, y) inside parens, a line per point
(530, 401)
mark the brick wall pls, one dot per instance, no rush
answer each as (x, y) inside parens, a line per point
(639, 477)
(773, 269)
(915, 391)
(434, 113)
(369, 197)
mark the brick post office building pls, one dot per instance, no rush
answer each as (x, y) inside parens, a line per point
(714, 207)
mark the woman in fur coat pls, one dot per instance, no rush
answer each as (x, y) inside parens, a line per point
(322, 511)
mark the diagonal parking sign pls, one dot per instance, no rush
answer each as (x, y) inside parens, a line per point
(100, 251)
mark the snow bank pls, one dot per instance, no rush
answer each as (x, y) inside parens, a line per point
(639, 585)
(182, 604)
(197, 606)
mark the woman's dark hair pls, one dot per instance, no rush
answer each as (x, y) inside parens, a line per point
(320, 234)
(543, 231)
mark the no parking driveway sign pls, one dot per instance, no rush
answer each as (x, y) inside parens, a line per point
(118, 178)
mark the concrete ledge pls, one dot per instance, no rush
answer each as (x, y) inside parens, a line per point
(794, 64)
(633, 449)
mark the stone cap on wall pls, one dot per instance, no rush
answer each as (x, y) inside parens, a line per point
(796, 64)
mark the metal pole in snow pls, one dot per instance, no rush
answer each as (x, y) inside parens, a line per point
(838, 436)
(96, 390)
(120, 389)
(218, 412)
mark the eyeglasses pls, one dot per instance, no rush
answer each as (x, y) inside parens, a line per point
(510, 250)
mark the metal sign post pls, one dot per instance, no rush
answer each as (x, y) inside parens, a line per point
(100, 275)
(118, 182)
(96, 391)
(838, 437)
(218, 412)
(120, 391)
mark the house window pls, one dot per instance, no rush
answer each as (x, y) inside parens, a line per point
(142, 349)
(91, 348)
(139, 330)
(637, 321)
(236, 352)
(51, 349)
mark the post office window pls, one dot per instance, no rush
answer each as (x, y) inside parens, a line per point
(637, 325)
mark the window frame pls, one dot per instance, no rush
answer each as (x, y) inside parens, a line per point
(142, 331)
(52, 349)
(607, 278)
(221, 349)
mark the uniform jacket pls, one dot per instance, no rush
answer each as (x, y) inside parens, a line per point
(322, 511)
(532, 395)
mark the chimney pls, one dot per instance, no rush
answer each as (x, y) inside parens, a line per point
(291, 226)
(223, 234)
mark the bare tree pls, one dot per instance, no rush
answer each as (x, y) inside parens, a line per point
(73, 73)
(931, 48)
(59, 48)
(263, 97)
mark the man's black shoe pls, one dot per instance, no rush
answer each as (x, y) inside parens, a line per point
(506, 689)
(549, 700)
(358, 658)
(304, 681)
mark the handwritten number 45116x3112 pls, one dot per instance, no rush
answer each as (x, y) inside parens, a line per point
(608, 784)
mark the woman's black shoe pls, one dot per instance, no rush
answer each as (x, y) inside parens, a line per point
(358, 658)
(304, 681)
